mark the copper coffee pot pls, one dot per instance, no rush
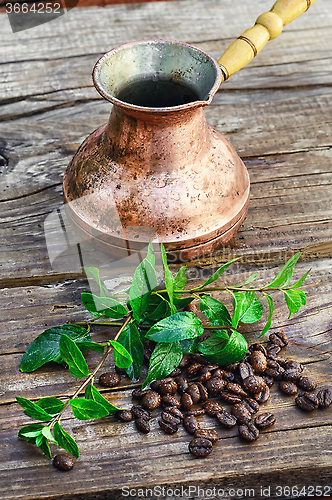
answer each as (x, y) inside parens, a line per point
(157, 170)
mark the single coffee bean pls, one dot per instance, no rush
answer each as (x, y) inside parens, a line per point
(268, 380)
(143, 425)
(226, 375)
(138, 393)
(109, 379)
(168, 386)
(204, 395)
(212, 367)
(193, 370)
(230, 397)
(263, 396)
(241, 413)
(280, 360)
(307, 383)
(125, 415)
(257, 347)
(155, 385)
(265, 420)
(324, 397)
(307, 401)
(226, 419)
(214, 386)
(174, 412)
(194, 392)
(169, 400)
(251, 404)
(210, 434)
(232, 367)
(212, 408)
(279, 338)
(273, 350)
(198, 358)
(254, 384)
(288, 388)
(176, 373)
(273, 369)
(168, 427)
(186, 401)
(249, 431)
(151, 400)
(258, 361)
(196, 412)
(139, 412)
(236, 389)
(245, 370)
(184, 361)
(63, 462)
(191, 424)
(200, 447)
(191, 308)
(291, 364)
(182, 384)
(292, 375)
(204, 377)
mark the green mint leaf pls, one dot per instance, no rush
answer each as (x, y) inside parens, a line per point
(223, 352)
(169, 280)
(189, 345)
(53, 406)
(72, 355)
(180, 326)
(251, 278)
(46, 431)
(181, 303)
(30, 431)
(103, 306)
(215, 311)
(216, 275)
(144, 282)
(45, 347)
(85, 345)
(180, 279)
(92, 393)
(161, 311)
(294, 300)
(164, 358)
(255, 311)
(44, 446)
(241, 304)
(93, 272)
(150, 255)
(33, 410)
(300, 282)
(85, 409)
(65, 440)
(284, 276)
(269, 319)
(122, 357)
(131, 340)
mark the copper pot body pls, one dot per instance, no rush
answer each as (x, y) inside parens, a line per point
(159, 173)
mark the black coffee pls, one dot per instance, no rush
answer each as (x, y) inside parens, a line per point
(157, 94)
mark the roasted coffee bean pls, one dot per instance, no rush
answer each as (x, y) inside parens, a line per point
(257, 347)
(139, 412)
(251, 404)
(168, 386)
(288, 388)
(184, 361)
(191, 308)
(194, 392)
(109, 379)
(263, 396)
(211, 367)
(209, 434)
(307, 383)
(176, 373)
(182, 384)
(291, 364)
(204, 377)
(273, 350)
(193, 370)
(292, 375)
(230, 397)
(214, 386)
(168, 427)
(265, 420)
(151, 400)
(138, 394)
(155, 385)
(278, 338)
(241, 413)
(324, 397)
(254, 384)
(200, 447)
(204, 395)
(268, 380)
(232, 367)
(198, 358)
(196, 412)
(212, 408)
(226, 419)
(186, 401)
(307, 401)
(169, 400)
(236, 389)
(120, 371)
(228, 376)
(273, 369)
(173, 411)
(249, 431)
(245, 370)
(142, 425)
(191, 424)
(63, 462)
(125, 415)
(258, 361)
(280, 360)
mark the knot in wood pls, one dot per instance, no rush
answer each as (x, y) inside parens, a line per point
(272, 22)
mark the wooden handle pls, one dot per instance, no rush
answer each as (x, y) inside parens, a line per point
(268, 26)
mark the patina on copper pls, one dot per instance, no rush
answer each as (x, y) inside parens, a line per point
(157, 172)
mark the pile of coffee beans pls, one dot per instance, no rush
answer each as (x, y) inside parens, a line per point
(198, 387)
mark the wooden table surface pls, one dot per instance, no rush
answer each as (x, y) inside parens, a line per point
(277, 112)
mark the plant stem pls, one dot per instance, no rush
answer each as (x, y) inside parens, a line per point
(192, 291)
(90, 377)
